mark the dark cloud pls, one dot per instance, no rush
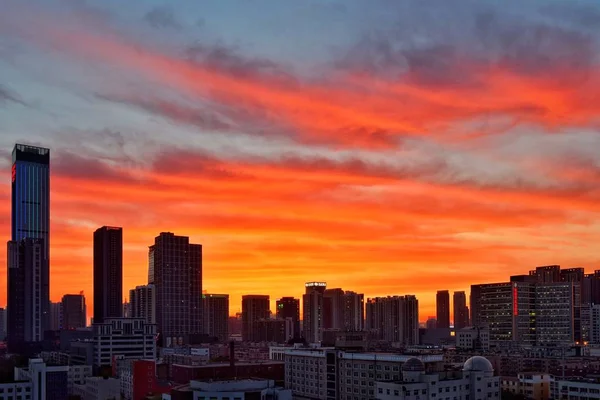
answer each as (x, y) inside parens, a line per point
(80, 166)
(162, 17)
(8, 95)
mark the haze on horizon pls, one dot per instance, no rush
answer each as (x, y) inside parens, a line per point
(395, 147)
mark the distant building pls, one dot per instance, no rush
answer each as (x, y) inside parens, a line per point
(431, 323)
(254, 309)
(461, 311)
(216, 315)
(20, 390)
(48, 382)
(473, 338)
(289, 307)
(313, 308)
(73, 311)
(138, 379)
(443, 309)
(108, 273)
(175, 266)
(354, 311)
(273, 330)
(142, 303)
(55, 316)
(595, 323)
(99, 388)
(534, 386)
(238, 389)
(126, 309)
(128, 337)
(394, 319)
(2, 324)
(572, 388)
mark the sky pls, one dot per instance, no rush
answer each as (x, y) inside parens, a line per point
(386, 147)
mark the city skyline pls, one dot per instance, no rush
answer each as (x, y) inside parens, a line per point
(363, 155)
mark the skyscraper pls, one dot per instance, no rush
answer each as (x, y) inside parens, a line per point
(2, 324)
(354, 311)
(108, 273)
(176, 268)
(26, 263)
(30, 216)
(289, 307)
(216, 316)
(254, 308)
(461, 311)
(142, 303)
(394, 319)
(443, 309)
(312, 311)
(333, 309)
(55, 316)
(73, 311)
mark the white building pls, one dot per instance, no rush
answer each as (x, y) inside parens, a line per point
(574, 389)
(46, 381)
(77, 375)
(129, 337)
(475, 382)
(98, 388)
(314, 373)
(238, 390)
(473, 338)
(142, 303)
(16, 391)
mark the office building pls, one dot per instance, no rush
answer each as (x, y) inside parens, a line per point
(142, 303)
(176, 266)
(25, 320)
(443, 309)
(473, 338)
(595, 323)
(327, 373)
(108, 273)
(73, 311)
(55, 323)
(475, 382)
(333, 309)
(127, 337)
(2, 324)
(289, 307)
(47, 382)
(216, 316)
(461, 311)
(98, 388)
(30, 214)
(254, 308)
(354, 311)
(313, 311)
(394, 319)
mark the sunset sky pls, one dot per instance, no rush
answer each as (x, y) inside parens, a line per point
(387, 147)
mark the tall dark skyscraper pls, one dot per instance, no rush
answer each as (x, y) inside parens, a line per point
(313, 311)
(175, 266)
(108, 273)
(30, 216)
(73, 311)
(443, 308)
(461, 311)
(254, 309)
(216, 316)
(289, 307)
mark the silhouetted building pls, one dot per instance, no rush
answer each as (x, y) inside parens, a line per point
(108, 273)
(25, 293)
(313, 311)
(176, 267)
(30, 217)
(254, 308)
(2, 324)
(289, 307)
(394, 319)
(73, 311)
(333, 309)
(354, 311)
(431, 323)
(142, 303)
(273, 330)
(461, 311)
(216, 316)
(55, 316)
(443, 309)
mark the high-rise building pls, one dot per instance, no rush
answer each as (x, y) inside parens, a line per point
(273, 330)
(108, 273)
(55, 316)
(142, 303)
(595, 324)
(2, 324)
(461, 311)
(394, 319)
(30, 217)
(73, 311)
(176, 266)
(333, 309)
(475, 305)
(313, 311)
(254, 308)
(26, 263)
(216, 315)
(443, 309)
(289, 307)
(131, 338)
(547, 274)
(354, 311)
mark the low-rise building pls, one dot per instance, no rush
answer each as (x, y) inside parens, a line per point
(16, 390)
(574, 389)
(535, 386)
(99, 388)
(473, 338)
(230, 390)
(130, 337)
(475, 382)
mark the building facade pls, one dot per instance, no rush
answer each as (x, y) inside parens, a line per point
(216, 315)
(74, 311)
(15, 391)
(48, 382)
(127, 337)
(254, 309)
(534, 386)
(142, 303)
(289, 307)
(176, 268)
(108, 273)
(442, 304)
(394, 319)
(461, 311)
(473, 338)
(313, 311)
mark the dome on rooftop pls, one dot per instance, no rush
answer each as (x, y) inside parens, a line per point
(478, 364)
(413, 365)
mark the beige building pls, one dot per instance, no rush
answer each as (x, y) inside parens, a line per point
(532, 385)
